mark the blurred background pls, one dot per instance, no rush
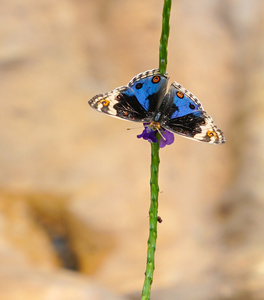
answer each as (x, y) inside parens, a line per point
(74, 184)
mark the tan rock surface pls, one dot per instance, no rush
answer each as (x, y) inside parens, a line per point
(30, 266)
(23, 243)
(32, 284)
(53, 58)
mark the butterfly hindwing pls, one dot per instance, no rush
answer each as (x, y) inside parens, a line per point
(181, 112)
(137, 101)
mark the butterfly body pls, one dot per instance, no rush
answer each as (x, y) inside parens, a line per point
(144, 99)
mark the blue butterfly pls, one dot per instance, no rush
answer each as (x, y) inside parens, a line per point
(145, 100)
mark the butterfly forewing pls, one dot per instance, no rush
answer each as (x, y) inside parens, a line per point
(182, 113)
(138, 101)
(150, 88)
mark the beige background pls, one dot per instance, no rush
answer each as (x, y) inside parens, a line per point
(75, 183)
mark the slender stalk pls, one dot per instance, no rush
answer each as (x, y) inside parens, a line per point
(163, 53)
(154, 186)
(153, 217)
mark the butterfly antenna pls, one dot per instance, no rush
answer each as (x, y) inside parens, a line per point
(131, 128)
(159, 131)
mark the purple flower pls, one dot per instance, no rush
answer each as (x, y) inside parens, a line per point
(149, 134)
(167, 138)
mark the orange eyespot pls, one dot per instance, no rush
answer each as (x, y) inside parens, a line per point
(179, 94)
(105, 102)
(155, 79)
(211, 133)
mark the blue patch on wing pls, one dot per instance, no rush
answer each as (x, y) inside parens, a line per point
(184, 106)
(148, 92)
(181, 103)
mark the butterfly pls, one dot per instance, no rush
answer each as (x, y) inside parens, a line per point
(145, 100)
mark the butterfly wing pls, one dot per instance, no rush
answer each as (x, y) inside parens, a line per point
(182, 113)
(138, 101)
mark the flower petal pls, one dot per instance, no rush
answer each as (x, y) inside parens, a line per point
(149, 134)
(166, 139)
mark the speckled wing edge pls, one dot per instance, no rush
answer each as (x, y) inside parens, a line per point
(145, 74)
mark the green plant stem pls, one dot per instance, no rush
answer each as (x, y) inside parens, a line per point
(163, 53)
(153, 218)
(154, 186)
